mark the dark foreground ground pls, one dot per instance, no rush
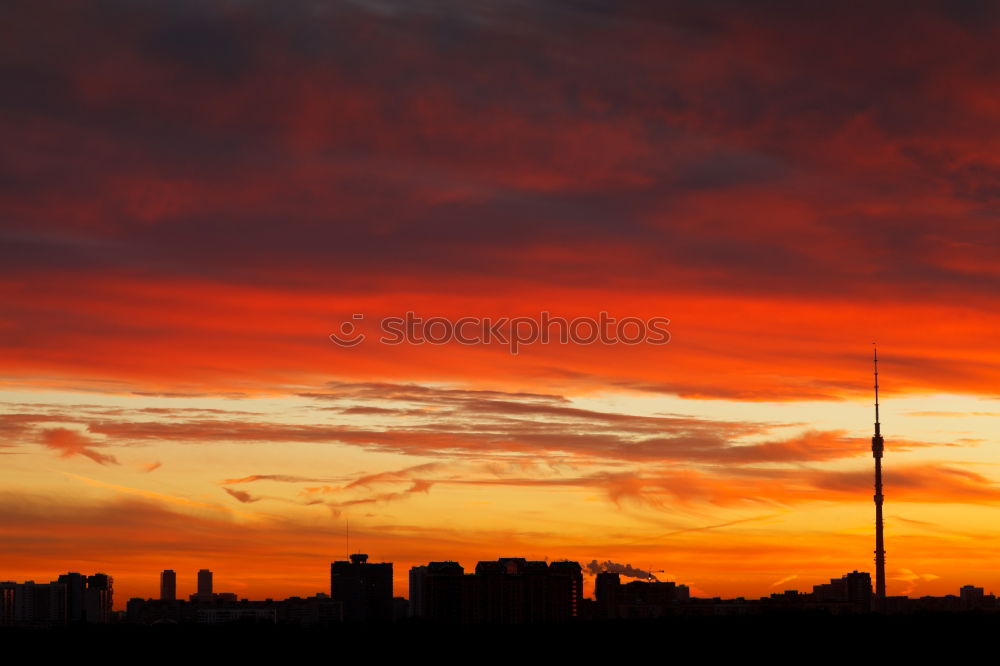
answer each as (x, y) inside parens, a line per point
(775, 637)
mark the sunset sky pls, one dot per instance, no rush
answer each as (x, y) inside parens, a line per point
(195, 194)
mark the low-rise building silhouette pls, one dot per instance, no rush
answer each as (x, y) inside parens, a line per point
(636, 599)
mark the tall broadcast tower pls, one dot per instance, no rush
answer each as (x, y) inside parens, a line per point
(877, 447)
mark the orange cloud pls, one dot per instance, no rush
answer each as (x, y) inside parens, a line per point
(71, 443)
(242, 495)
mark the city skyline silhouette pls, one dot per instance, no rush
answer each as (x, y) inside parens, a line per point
(495, 284)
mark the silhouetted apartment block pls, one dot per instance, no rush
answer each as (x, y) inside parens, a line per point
(8, 602)
(513, 590)
(206, 595)
(363, 588)
(88, 598)
(168, 585)
(510, 590)
(975, 598)
(100, 598)
(76, 590)
(436, 591)
(31, 604)
(851, 591)
(418, 577)
(574, 576)
(205, 587)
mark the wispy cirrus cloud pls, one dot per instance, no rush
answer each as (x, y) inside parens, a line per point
(664, 487)
(433, 421)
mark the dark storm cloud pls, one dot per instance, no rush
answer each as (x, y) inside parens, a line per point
(204, 44)
(432, 138)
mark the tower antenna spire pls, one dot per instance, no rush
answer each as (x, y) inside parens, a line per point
(876, 389)
(877, 448)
